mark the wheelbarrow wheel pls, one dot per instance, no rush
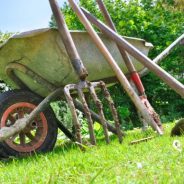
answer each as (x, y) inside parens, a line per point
(39, 136)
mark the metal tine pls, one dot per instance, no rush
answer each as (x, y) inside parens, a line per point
(100, 109)
(95, 116)
(74, 114)
(113, 110)
(90, 86)
(81, 86)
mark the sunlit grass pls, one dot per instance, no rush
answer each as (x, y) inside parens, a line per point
(155, 161)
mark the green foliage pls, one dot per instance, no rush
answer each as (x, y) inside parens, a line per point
(62, 113)
(4, 37)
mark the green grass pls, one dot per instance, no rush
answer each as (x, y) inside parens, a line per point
(155, 161)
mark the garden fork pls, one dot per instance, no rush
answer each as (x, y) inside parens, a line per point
(83, 85)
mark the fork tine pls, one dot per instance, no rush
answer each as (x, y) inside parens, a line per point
(100, 110)
(88, 116)
(74, 114)
(113, 110)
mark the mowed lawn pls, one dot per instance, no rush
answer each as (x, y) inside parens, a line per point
(155, 161)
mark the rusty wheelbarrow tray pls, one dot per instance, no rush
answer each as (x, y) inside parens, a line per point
(42, 52)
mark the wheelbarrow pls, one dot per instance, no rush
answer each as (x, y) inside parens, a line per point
(36, 64)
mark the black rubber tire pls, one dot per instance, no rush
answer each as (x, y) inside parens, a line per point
(15, 96)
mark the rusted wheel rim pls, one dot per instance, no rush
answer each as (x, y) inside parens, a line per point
(33, 136)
